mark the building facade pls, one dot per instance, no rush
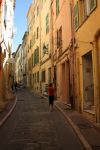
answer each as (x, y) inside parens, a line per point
(61, 16)
(24, 47)
(39, 53)
(29, 52)
(46, 46)
(19, 67)
(6, 35)
(63, 43)
(87, 51)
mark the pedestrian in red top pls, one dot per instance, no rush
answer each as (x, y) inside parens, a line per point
(51, 96)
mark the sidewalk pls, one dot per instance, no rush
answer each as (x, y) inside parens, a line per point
(7, 111)
(87, 132)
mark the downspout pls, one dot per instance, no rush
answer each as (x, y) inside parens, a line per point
(51, 41)
(72, 57)
(40, 49)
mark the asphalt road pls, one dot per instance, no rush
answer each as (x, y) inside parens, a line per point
(32, 126)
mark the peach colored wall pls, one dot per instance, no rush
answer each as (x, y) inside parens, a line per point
(63, 19)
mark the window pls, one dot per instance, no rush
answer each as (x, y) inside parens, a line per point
(89, 5)
(49, 75)
(35, 77)
(5, 15)
(33, 40)
(29, 64)
(54, 73)
(57, 7)
(47, 23)
(82, 10)
(76, 16)
(32, 59)
(37, 10)
(37, 32)
(34, 19)
(59, 38)
(36, 56)
(43, 76)
(93, 4)
(38, 76)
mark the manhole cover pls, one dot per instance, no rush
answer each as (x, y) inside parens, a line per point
(85, 126)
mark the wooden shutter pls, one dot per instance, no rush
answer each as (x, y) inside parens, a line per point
(37, 55)
(76, 16)
(93, 4)
(57, 7)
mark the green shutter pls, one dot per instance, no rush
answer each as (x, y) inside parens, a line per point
(34, 57)
(76, 16)
(47, 23)
(93, 4)
(37, 55)
(57, 7)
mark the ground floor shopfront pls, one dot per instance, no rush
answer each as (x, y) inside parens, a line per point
(88, 77)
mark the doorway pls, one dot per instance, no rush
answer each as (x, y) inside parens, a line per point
(65, 82)
(88, 86)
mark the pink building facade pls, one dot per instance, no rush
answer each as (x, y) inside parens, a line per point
(62, 35)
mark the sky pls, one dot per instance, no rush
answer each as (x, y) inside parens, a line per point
(20, 21)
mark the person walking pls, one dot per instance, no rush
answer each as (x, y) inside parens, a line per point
(15, 85)
(51, 96)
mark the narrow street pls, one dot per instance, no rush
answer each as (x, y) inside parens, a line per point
(32, 126)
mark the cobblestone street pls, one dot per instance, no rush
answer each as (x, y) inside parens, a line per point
(33, 127)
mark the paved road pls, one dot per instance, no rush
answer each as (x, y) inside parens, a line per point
(33, 127)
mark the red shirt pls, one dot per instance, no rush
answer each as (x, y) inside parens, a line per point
(50, 91)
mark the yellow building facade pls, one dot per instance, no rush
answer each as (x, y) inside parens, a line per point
(29, 50)
(87, 57)
(46, 46)
(35, 47)
(39, 45)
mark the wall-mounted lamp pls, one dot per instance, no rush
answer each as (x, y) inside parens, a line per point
(45, 49)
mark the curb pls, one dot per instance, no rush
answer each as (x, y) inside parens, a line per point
(86, 145)
(9, 113)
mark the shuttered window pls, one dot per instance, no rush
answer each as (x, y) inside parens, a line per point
(76, 16)
(38, 76)
(43, 76)
(93, 4)
(36, 56)
(57, 7)
(47, 23)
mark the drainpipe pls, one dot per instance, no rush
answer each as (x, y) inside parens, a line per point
(72, 57)
(52, 48)
(40, 50)
(51, 41)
